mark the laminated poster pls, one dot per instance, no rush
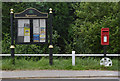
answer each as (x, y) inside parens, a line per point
(42, 34)
(42, 30)
(26, 31)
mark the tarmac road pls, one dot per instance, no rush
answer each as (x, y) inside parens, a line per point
(62, 80)
(60, 74)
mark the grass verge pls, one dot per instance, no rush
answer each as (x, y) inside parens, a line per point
(35, 63)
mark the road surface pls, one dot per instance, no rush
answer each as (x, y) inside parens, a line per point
(60, 74)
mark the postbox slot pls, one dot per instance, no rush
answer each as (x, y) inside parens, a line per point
(105, 31)
(105, 34)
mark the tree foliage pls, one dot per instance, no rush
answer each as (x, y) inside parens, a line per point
(90, 18)
(76, 26)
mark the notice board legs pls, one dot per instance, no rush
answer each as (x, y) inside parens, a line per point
(12, 55)
(51, 57)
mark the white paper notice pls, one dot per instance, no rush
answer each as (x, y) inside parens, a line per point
(35, 23)
(22, 21)
(26, 38)
(20, 31)
(36, 30)
(42, 23)
(36, 26)
(105, 38)
(42, 39)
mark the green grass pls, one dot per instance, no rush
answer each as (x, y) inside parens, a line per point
(34, 63)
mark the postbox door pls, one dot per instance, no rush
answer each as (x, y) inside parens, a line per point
(105, 36)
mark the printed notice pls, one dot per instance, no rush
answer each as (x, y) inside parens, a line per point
(42, 34)
(36, 30)
(36, 26)
(42, 23)
(20, 31)
(35, 23)
(22, 21)
(42, 39)
(26, 38)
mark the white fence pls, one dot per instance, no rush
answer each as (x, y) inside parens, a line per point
(61, 55)
(73, 55)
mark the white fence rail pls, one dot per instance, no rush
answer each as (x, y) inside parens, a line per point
(60, 54)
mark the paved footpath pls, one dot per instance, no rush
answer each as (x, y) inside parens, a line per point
(34, 74)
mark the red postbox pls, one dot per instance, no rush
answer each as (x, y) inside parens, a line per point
(105, 36)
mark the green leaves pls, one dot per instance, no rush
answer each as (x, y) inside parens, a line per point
(91, 17)
(76, 26)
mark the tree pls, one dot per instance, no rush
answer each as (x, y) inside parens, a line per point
(90, 18)
(60, 22)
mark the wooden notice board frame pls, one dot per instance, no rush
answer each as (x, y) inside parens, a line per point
(31, 14)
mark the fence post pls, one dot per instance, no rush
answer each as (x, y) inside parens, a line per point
(73, 58)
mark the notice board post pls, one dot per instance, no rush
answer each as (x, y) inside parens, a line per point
(50, 46)
(12, 37)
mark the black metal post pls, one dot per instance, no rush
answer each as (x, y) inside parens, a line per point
(12, 37)
(104, 50)
(50, 46)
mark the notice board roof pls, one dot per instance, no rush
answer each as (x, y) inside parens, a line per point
(31, 13)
